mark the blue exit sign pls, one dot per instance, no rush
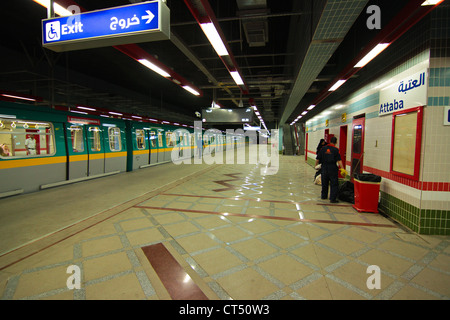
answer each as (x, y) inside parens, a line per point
(142, 22)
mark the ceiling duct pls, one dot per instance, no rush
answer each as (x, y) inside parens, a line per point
(253, 14)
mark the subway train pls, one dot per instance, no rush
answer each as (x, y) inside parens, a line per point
(42, 147)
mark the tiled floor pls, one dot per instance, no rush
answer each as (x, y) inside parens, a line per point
(226, 232)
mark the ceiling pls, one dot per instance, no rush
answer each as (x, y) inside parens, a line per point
(288, 51)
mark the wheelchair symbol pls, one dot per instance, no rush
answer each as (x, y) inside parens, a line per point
(53, 30)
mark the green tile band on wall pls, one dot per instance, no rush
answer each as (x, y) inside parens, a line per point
(311, 161)
(422, 221)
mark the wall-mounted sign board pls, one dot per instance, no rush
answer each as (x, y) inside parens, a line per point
(142, 22)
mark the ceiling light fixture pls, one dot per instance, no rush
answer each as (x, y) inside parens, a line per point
(194, 92)
(86, 108)
(59, 10)
(154, 68)
(372, 54)
(237, 78)
(213, 36)
(431, 2)
(17, 97)
(337, 85)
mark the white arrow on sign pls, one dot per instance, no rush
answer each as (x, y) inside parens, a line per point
(149, 16)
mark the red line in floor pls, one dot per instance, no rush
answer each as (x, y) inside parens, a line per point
(256, 200)
(178, 283)
(270, 217)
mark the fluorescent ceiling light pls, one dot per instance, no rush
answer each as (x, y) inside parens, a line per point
(304, 112)
(86, 108)
(193, 91)
(372, 54)
(155, 68)
(17, 97)
(311, 107)
(59, 10)
(431, 2)
(237, 78)
(115, 113)
(213, 36)
(337, 85)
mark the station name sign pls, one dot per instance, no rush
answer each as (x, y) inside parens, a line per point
(409, 92)
(142, 22)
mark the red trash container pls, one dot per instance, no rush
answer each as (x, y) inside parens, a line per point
(367, 189)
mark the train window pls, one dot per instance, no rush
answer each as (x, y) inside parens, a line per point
(77, 136)
(140, 139)
(153, 139)
(169, 139)
(94, 139)
(160, 139)
(23, 138)
(115, 141)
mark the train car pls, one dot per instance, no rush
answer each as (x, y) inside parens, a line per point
(42, 147)
(153, 143)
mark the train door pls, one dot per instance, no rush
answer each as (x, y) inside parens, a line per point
(161, 147)
(343, 146)
(78, 155)
(357, 145)
(170, 143)
(96, 153)
(153, 147)
(193, 144)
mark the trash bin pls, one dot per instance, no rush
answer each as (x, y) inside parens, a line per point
(367, 189)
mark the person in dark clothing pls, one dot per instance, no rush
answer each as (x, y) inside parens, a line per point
(331, 162)
(322, 143)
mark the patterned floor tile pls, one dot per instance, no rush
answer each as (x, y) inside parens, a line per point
(262, 237)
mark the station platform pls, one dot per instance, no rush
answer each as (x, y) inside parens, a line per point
(210, 232)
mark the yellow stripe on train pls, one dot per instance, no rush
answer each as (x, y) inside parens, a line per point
(31, 162)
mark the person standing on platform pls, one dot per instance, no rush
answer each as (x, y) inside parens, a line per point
(331, 162)
(322, 143)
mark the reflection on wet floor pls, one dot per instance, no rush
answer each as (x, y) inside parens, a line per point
(232, 233)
